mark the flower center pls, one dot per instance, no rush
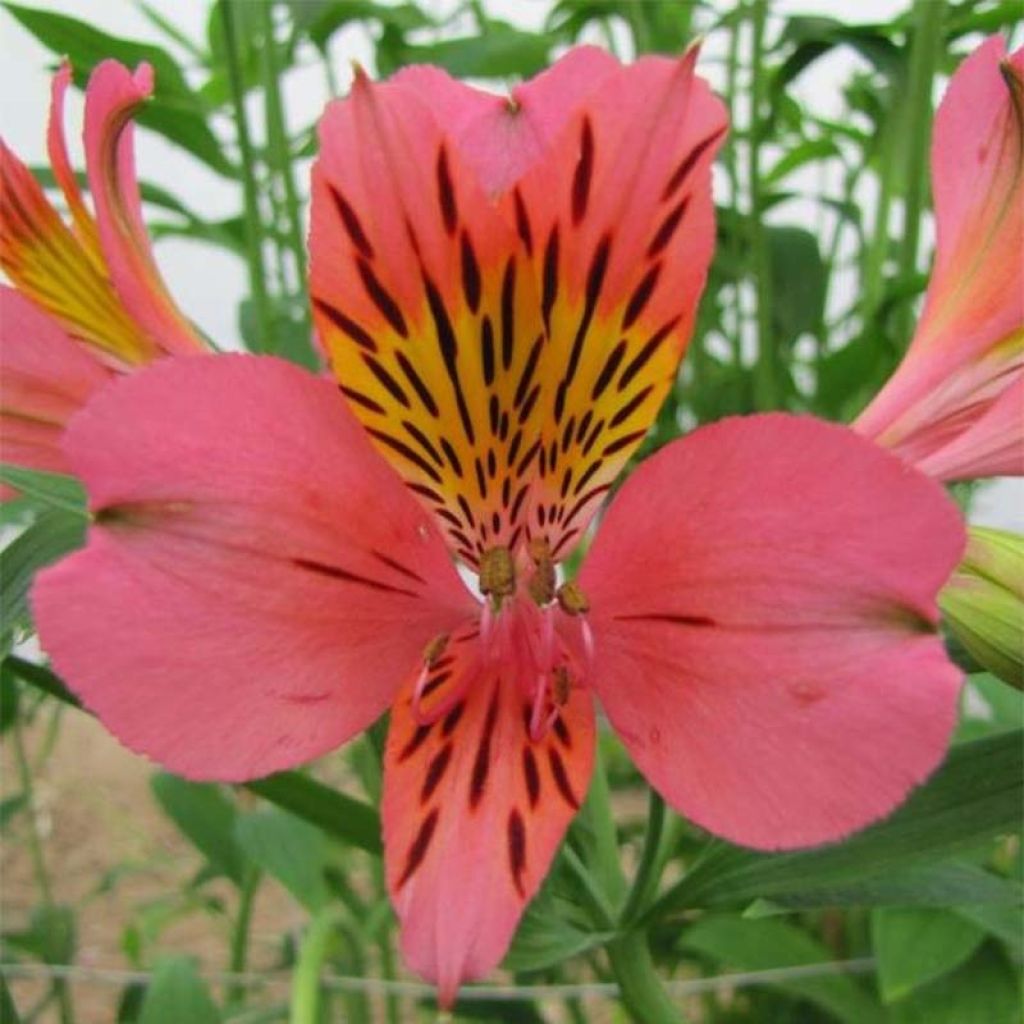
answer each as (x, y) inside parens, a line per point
(530, 631)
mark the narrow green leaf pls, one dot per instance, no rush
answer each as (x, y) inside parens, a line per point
(177, 994)
(206, 816)
(51, 536)
(976, 795)
(1006, 923)
(288, 848)
(51, 935)
(339, 815)
(38, 676)
(738, 944)
(915, 946)
(52, 489)
(8, 1011)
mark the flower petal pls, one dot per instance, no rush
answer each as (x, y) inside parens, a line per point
(992, 445)
(501, 138)
(620, 225)
(83, 224)
(111, 98)
(969, 344)
(44, 375)
(509, 357)
(763, 606)
(256, 580)
(474, 811)
(48, 264)
(430, 317)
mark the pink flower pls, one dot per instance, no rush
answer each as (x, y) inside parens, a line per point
(88, 300)
(955, 406)
(505, 288)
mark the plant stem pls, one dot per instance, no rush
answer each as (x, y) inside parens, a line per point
(59, 986)
(277, 144)
(766, 370)
(925, 52)
(305, 1005)
(646, 873)
(253, 227)
(240, 934)
(642, 992)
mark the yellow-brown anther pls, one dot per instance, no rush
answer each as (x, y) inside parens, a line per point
(497, 574)
(571, 599)
(561, 685)
(433, 651)
(543, 581)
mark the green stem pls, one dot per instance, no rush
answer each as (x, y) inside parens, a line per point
(641, 989)
(766, 388)
(240, 934)
(253, 227)
(277, 143)
(35, 845)
(600, 913)
(646, 879)
(59, 986)
(925, 52)
(305, 1005)
(732, 172)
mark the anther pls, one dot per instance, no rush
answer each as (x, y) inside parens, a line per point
(542, 583)
(433, 651)
(561, 685)
(571, 599)
(497, 575)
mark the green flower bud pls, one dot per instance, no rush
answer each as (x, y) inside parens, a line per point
(983, 602)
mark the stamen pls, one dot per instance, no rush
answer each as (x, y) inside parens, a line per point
(571, 599)
(542, 583)
(497, 575)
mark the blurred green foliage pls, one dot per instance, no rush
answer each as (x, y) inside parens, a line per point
(823, 254)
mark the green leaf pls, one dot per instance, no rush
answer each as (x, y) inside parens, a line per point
(985, 990)
(339, 815)
(813, 150)
(320, 19)
(8, 1011)
(553, 929)
(40, 677)
(51, 536)
(51, 489)
(1006, 923)
(799, 278)
(739, 944)
(288, 848)
(206, 816)
(976, 795)
(500, 52)
(177, 994)
(175, 111)
(938, 885)
(50, 936)
(989, 707)
(915, 946)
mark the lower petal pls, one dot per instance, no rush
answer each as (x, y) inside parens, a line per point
(243, 604)
(763, 605)
(474, 811)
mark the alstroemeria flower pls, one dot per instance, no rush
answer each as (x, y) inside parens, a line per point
(505, 287)
(88, 300)
(955, 406)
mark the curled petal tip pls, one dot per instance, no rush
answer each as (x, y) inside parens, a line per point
(360, 79)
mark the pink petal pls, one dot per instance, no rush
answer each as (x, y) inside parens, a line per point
(111, 98)
(763, 606)
(474, 811)
(411, 269)
(993, 445)
(44, 379)
(970, 339)
(500, 138)
(56, 146)
(622, 227)
(256, 580)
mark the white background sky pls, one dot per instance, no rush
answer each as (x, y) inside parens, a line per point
(208, 282)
